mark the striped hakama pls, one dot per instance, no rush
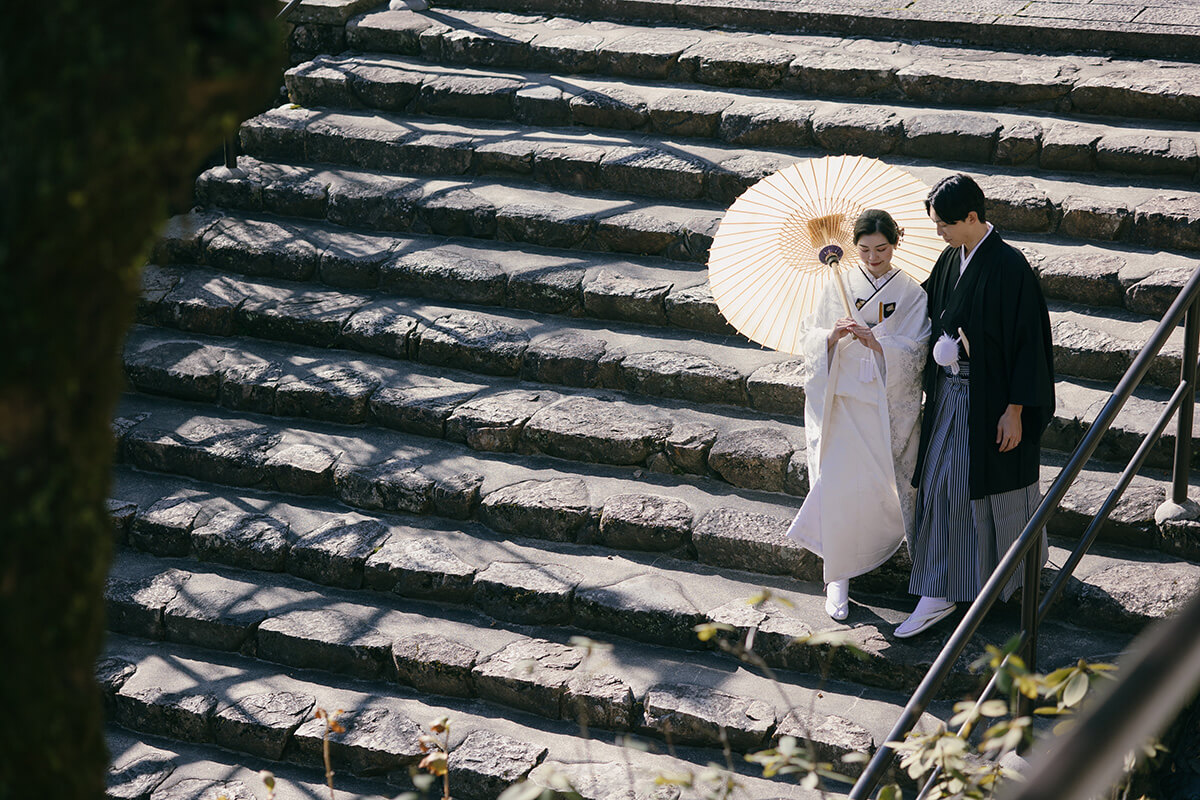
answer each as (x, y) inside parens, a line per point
(959, 541)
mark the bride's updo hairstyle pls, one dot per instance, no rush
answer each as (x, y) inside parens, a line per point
(875, 220)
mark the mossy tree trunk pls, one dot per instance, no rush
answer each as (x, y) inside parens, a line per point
(105, 110)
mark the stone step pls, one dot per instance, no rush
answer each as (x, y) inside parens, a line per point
(647, 291)
(520, 210)
(519, 582)
(201, 697)
(745, 449)
(156, 768)
(929, 128)
(335, 386)
(686, 44)
(609, 684)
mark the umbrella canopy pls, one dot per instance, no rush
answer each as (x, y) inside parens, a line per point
(790, 233)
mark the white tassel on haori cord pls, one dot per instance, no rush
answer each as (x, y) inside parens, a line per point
(945, 352)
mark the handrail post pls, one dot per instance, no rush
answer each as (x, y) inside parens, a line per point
(1030, 592)
(1183, 433)
(231, 152)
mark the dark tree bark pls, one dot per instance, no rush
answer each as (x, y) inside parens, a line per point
(106, 109)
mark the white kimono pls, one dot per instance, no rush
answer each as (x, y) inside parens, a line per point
(861, 419)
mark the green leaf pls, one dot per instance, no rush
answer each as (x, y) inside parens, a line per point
(1076, 689)
(890, 792)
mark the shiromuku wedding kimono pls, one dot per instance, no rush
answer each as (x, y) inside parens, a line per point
(861, 417)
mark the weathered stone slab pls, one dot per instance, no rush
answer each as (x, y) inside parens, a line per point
(136, 779)
(314, 318)
(1091, 279)
(504, 157)
(1018, 142)
(301, 469)
(187, 370)
(328, 391)
(471, 342)
(419, 566)
(485, 764)
(381, 328)
(327, 639)
(436, 664)
(796, 481)
(241, 539)
(649, 608)
(645, 54)
(468, 96)
(529, 674)
(765, 123)
(499, 46)
(222, 451)
(457, 495)
(756, 542)
(375, 202)
(778, 388)
(688, 446)
(157, 283)
(615, 295)
(257, 247)
(559, 510)
(569, 165)
(751, 62)
(457, 212)
(336, 553)
(527, 593)
(1170, 221)
(598, 701)
(448, 273)
(970, 78)
(858, 130)
(121, 514)
(389, 31)
(393, 485)
(202, 302)
(951, 136)
(1095, 218)
(136, 606)
(165, 528)
(565, 359)
(700, 714)
(1168, 91)
(687, 114)
(542, 104)
(422, 410)
(1141, 154)
(182, 716)
(779, 636)
(1154, 294)
(249, 384)
(494, 422)
(644, 522)
(838, 72)
(653, 172)
(567, 52)
(552, 289)
(596, 430)
(353, 260)
(1018, 205)
(261, 724)
(695, 309)
(219, 619)
(614, 107)
(831, 736)
(111, 675)
(1067, 145)
(547, 225)
(203, 789)
(683, 375)
(754, 458)
(179, 241)
(636, 231)
(1131, 595)
(375, 741)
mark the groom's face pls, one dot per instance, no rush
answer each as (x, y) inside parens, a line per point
(954, 234)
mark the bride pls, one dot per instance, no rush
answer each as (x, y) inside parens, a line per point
(862, 409)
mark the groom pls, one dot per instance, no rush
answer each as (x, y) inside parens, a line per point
(989, 394)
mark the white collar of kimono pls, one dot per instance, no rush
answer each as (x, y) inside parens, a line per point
(877, 283)
(966, 257)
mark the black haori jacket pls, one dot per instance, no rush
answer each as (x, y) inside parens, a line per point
(998, 303)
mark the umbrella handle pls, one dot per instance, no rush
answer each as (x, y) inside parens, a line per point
(837, 278)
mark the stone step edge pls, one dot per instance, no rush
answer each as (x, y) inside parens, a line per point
(1165, 220)
(933, 132)
(380, 740)
(1092, 36)
(258, 247)
(348, 397)
(535, 675)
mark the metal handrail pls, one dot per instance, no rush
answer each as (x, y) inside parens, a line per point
(1032, 612)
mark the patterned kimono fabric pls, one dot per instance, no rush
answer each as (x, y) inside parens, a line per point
(861, 416)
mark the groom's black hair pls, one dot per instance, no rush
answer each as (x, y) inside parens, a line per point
(955, 197)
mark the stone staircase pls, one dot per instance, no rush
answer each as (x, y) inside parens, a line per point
(431, 412)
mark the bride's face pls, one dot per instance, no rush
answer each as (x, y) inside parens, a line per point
(875, 252)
